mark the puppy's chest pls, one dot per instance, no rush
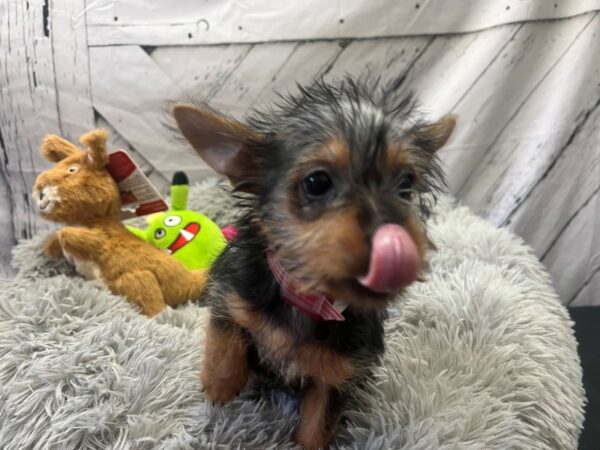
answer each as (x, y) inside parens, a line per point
(283, 363)
(297, 356)
(280, 355)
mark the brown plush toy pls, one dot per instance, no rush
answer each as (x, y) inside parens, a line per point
(79, 192)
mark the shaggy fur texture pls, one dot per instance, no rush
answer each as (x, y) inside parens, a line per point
(481, 355)
(338, 173)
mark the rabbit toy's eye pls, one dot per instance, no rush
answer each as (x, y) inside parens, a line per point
(72, 169)
(159, 233)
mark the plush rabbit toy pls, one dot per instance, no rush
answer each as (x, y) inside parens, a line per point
(80, 193)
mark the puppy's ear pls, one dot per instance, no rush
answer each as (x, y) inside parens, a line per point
(54, 148)
(95, 142)
(434, 136)
(226, 145)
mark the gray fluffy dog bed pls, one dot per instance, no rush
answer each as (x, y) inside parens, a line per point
(480, 356)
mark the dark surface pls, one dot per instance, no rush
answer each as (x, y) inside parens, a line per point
(587, 331)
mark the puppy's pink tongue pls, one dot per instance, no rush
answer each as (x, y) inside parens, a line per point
(394, 261)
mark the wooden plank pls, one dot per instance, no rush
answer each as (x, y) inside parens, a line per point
(308, 60)
(27, 105)
(236, 77)
(439, 70)
(116, 141)
(563, 189)
(7, 236)
(200, 71)
(589, 293)
(248, 79)
(508, 81)
(451, 65)
(252, 84)
(537, 132)
(385, 57)
(433, 62)
(132, 94)
(389, 57)
(71, 67)
(185, 22)
(574, 259)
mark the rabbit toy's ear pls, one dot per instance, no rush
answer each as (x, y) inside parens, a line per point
(55, 149)
(95, 144)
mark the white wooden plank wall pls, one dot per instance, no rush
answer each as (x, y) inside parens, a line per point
(527, 90)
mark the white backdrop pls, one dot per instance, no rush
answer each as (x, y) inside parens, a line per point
(524, 77)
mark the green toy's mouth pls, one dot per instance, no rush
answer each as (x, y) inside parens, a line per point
(185, 236)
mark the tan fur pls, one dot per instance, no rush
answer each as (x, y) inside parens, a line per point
(312, 433)
(396, 158)
(275, 339)
(319, 249)
(198, 127)
(336, 152)
(340, 234)
(439, 132)
(324, 365)
(324, 245)
(87, 200)
(225, 366)
(413, 226)
(311, 359)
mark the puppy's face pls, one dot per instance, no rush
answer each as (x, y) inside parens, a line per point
(339, 178)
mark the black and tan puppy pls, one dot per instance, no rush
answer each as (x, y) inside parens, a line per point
(338, 177)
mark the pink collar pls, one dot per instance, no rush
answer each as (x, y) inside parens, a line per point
(317, 305)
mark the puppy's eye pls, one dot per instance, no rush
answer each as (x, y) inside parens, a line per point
(405, 185)
(159, 233)
(72, 169)
(317, 184)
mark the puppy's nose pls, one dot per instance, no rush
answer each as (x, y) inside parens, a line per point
(42, 194)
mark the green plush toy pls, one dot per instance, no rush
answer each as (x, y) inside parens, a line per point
(189, 236)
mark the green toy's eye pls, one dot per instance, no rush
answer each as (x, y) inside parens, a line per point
(159, 233)
(172, 221)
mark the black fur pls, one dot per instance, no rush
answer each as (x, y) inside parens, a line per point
(365, 112)
(370, 118)
(242, 268)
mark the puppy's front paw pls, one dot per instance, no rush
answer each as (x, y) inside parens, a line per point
(219, 390)
(225, 366)
(316, 442)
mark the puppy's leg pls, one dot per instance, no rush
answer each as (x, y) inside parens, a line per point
(321, 412)
(225, 365)
(141, 288)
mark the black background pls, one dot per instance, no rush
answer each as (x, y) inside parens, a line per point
(587, 331)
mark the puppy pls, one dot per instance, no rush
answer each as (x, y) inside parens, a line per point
(338, 179)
